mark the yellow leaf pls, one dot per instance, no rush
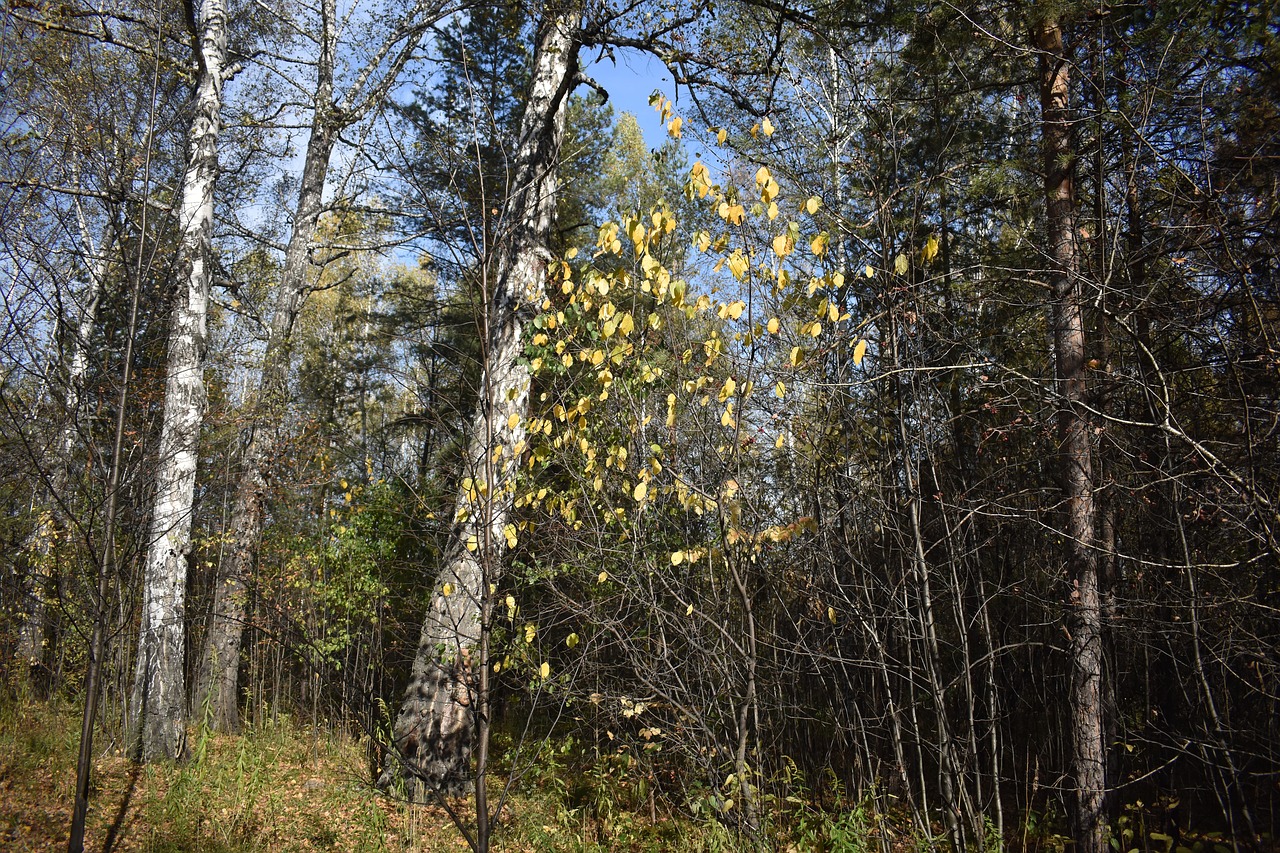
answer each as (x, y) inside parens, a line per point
(721, 136)
(626, 325)
(778, 443)
(796, 356)
(831, 614)
(767, 127)
(641, 490)
(530, 631)
(736, 308)
(545, 670)
(602, 577)
(763, 176)
(472, 544)
(677, 557)
(726, 390)
(513, 421)
(509, 532)
(597, 358)
(773, 325)
(688, 611)
(782, 245)
(738, 264)
(813, 204)
(446, 590)
(773, 210)
(571, 640)
(726, 418)
(511, 607)
(859, 351)
(780, 389)
(820, 243)
(930, 250)
(900, 264)
(869, 272)
(674, 127)
(671, 410)
(732, 213)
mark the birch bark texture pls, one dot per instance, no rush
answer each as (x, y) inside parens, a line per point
(157, 708)
(1066, 319)
(217, 681)
(435, 727)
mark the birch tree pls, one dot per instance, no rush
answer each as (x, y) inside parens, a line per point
(157, 709)
(331, 113)
(445, 700)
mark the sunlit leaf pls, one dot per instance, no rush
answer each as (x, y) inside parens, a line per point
(813, 204)
(859, 351)
(930, 250)
(901, 265)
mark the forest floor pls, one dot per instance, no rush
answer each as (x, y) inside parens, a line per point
(282, 787)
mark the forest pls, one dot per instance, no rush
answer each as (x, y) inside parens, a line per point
(400, 451)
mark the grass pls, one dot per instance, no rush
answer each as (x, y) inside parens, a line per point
(283, 787)
(280, 788)
(287, 787)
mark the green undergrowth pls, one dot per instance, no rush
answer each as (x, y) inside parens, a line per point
(285, 786)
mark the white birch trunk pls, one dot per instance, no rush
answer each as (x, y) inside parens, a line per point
(218, 674)
(435, 727)
(157, 711)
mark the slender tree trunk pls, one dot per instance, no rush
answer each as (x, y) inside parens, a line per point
(42, 546)
(220, 659)
(216, 687)
(157, 710)
(435, 727)
(1067, 322)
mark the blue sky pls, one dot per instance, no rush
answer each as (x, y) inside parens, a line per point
(629, 84)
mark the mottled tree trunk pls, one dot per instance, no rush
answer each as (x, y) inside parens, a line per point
(220, 658)
(218, 676)
(157, 710)
(435, 727)
(1067, 322)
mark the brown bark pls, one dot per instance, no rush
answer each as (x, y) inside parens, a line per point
(1066, 318)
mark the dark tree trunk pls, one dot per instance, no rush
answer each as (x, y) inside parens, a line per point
(1066, 319)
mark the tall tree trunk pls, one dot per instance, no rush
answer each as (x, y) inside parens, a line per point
(41, 546)
(157, 709)
(435, 727)
(216, 694)
(220, 658)
(1067, 322)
